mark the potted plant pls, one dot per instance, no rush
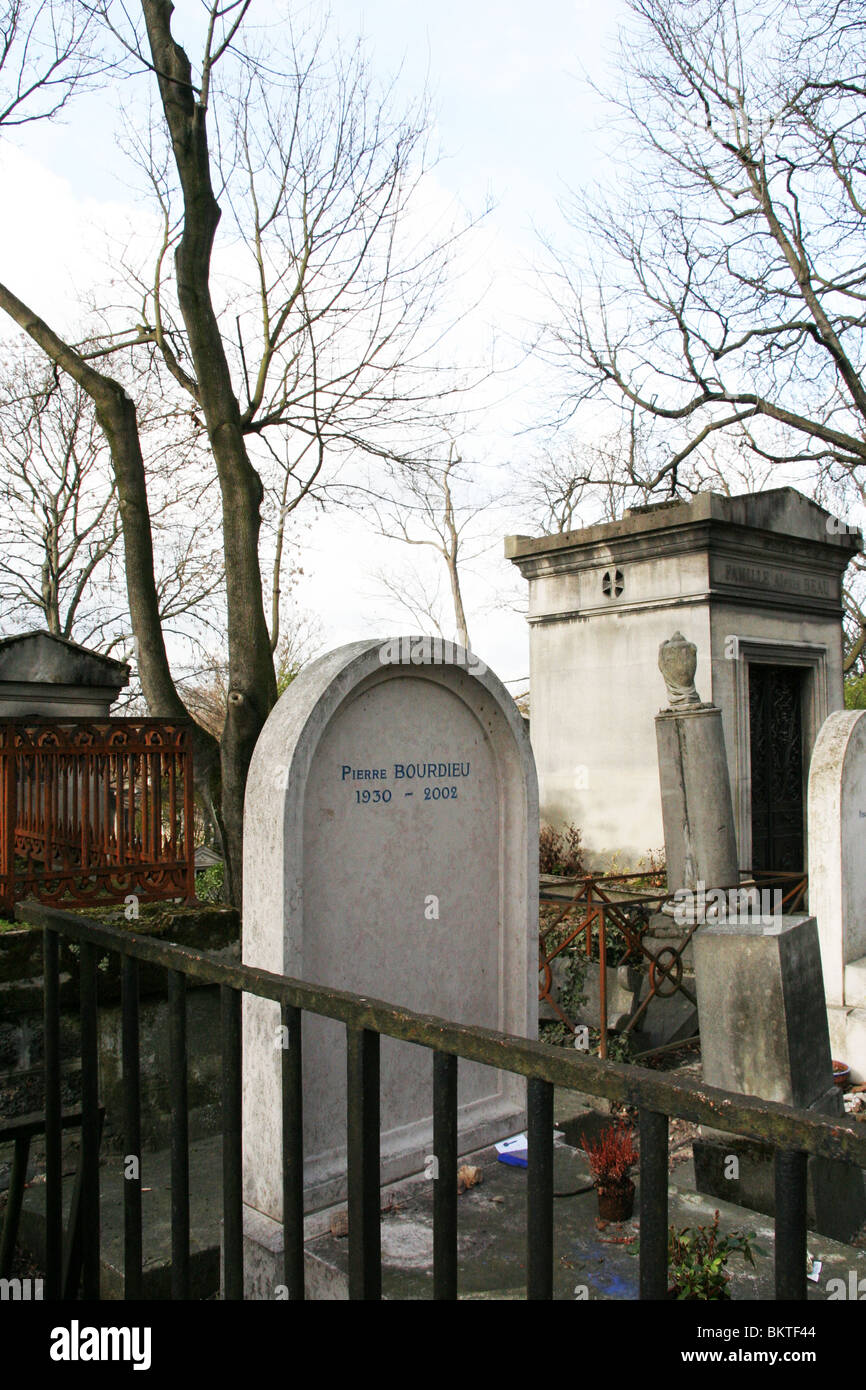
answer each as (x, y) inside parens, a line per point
(611, 1158)
(697, 1257)
(841, 1074)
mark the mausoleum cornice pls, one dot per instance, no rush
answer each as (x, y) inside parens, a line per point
(775, 520)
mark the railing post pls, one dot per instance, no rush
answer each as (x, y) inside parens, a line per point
(14, 1198)
(90, 1123)
(132, 1241)
(177, 1085)
(365, 1227)
(233, 1236)
(53, 1123)
(791, 1171)
(539, 1211)
(444, 1176)
(653, 1129)
(293, 1152)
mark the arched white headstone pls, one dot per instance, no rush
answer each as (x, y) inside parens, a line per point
(390, 849)
(837, 845)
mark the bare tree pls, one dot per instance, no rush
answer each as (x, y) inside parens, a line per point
(416, 594)
(329, 329)
(321, 343)
(575, 482)
(432, 506)
(59, 524)
(724, 287)
(48, 51)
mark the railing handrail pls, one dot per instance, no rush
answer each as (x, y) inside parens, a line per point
(780, 1125)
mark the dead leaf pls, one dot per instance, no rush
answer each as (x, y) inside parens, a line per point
(340, 1224)
(467, 1177)
(391, 1205)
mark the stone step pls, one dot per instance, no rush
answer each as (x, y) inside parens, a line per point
(205, 1191)
(855, 983)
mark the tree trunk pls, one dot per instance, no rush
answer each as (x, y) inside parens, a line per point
(459, 612)
(252, 683)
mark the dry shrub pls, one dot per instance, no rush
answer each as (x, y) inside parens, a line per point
(560, 852)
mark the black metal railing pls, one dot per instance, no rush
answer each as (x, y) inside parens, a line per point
(20, 1132)
(792, 1134)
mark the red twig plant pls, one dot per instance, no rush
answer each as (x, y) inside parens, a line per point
(612, 1156)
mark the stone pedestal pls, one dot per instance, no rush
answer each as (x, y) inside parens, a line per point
(764, 1033)
(698, 815)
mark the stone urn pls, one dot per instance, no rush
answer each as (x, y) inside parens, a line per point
(678, 661)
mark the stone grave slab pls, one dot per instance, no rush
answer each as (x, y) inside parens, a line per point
(837, 878)
(390, 849)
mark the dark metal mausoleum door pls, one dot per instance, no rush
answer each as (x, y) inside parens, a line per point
(776, 732)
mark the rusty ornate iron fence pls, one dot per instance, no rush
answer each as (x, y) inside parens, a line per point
(591, 908)
(94, 810)
(792, 1135)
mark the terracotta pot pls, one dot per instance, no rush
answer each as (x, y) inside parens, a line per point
(616, 1203)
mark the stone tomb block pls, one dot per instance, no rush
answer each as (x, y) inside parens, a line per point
(761, 1005)
(764, 1033)
(390, 849)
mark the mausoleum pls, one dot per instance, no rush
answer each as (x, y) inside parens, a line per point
(755, 581)
(41, 674)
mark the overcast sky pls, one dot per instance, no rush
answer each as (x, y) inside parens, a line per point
(517, 124)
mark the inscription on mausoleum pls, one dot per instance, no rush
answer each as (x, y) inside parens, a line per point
(780, 580)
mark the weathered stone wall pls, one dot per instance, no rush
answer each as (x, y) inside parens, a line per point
(215, 929)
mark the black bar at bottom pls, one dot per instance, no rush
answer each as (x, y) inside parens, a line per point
(653, 1204)
(444, 1176)
(539, 1214)
(365, 1231)
(791, 1172)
